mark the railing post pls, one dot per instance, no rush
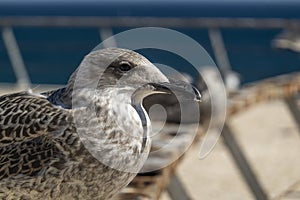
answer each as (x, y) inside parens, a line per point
(15, 57)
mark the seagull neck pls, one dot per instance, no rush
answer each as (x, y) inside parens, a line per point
(136, 102)
(143, 116)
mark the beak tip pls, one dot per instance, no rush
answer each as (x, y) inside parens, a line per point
(197, 94)
(198, 99)
(167, 88)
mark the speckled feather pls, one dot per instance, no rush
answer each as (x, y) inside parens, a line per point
(42, 157)
(49, 143)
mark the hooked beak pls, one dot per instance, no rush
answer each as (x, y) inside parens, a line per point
(182, 90)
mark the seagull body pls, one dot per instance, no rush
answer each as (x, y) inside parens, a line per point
(85, 141)
(43, 157)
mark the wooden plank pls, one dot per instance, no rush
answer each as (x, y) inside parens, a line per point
(294, 109)
(243, 165)
(176, 189)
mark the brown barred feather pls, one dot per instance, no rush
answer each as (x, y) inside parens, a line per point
(76, 142)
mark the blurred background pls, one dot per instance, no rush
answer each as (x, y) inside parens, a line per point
(255, 44)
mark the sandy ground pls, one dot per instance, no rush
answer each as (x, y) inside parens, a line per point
(270, 139)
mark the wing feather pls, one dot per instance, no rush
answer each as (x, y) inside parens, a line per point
(28, 126)
(24, 116)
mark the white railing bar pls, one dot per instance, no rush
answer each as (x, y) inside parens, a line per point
(231, 78)
(15, 57)
(107, 33)
(97, 21)
(219, 49)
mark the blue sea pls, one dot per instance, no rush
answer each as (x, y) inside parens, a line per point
(51, 54)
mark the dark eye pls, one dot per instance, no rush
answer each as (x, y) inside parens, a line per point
(125, 66)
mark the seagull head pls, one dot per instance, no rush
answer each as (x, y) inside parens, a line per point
(123, 68)
(114, 82)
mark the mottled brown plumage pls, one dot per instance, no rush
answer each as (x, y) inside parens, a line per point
(84, 141)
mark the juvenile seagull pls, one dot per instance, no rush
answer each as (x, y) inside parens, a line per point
(85, 141)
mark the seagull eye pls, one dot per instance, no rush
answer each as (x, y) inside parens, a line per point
(125, 66)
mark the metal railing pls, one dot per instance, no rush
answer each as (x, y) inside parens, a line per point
(171, 22)
(105, 25)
